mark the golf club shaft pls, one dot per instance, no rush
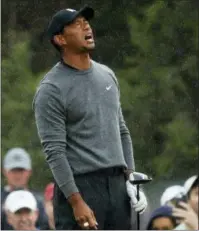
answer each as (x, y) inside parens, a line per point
(138, 215)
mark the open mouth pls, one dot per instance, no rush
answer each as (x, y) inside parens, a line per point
(89, 38)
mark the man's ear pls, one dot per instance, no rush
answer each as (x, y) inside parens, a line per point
(59, 40)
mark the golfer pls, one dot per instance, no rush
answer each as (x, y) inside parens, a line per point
(83, 133)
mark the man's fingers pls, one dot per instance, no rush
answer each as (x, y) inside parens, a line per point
(142, 210)
(179, 213)
(85, 225)
(93, 215)
(141, 205)
(81, 219)
(184, 205)
(82, 222)
(179, 210)
(92, 222)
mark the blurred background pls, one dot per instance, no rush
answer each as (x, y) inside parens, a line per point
(152, 47)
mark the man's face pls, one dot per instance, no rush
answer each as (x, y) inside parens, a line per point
(23, 219)
(17, 177)
(162, 223)
(78, 36)
(193, 199)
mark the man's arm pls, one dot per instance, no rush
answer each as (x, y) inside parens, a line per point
(125, 135)
(50, 115)
(51, 125)
(126, 144)
(141, 204)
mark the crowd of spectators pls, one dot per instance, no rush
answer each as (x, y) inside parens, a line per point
(25, 209)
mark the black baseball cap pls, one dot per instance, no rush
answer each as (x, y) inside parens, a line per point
(64, 17)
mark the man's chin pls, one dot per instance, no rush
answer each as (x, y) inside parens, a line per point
(89, 47)
(24, 227)
(92, 46)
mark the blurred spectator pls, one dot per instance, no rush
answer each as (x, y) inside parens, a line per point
(170, 195)
(21, 210)
(17, 169)
(161, 219)
(188, 212)
(48, 204)
(192, 189)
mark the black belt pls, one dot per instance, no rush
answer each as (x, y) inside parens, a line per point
(112, 171)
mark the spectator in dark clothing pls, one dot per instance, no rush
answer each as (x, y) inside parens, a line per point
(17, 170)
(162, 219)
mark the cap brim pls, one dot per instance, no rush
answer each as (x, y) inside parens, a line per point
(189, 183)
(14, 210)
(17, 165)
(21, 205)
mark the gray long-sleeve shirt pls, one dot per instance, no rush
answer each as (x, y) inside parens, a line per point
(80, 123)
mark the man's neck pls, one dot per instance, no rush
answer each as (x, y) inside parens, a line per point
(78, 61)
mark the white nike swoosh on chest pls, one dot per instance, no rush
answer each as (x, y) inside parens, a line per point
(108, 87)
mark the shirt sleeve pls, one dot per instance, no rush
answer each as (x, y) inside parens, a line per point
(126, 142)
(50, 116)
(125, 134)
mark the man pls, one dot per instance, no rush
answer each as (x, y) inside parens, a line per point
(21, 210)
(17, 169)
(162, 219)
(188, 212)
(48, 204)
(83, 133)
(191, 186)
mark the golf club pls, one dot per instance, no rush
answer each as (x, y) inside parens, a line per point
(139, 178)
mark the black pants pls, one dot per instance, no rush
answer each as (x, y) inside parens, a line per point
(105, 193)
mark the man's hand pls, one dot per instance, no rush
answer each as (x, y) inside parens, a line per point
(139, 206)
(82, 213)
(188, 215)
